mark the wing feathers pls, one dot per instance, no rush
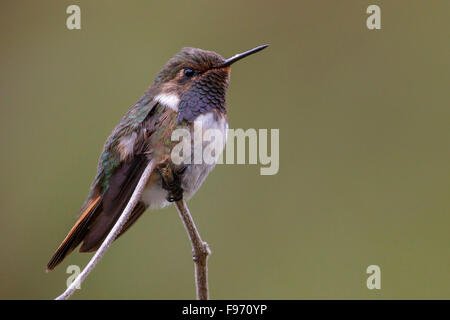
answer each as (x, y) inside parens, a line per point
(121, 187)
(115, 182)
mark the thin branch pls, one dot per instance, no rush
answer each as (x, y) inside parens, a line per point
(112, 234)
(200, 251)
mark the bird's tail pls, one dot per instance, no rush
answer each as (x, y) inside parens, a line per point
(76, 234)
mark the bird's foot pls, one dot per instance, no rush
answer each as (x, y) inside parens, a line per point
(172, 183)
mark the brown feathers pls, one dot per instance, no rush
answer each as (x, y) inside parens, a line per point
(76, 234)
(115, 199)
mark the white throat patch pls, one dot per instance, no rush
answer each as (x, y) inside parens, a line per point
(169, 100)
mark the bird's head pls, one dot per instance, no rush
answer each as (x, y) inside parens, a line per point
(195, 81)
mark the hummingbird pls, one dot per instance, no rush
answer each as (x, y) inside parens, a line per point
(191, 88)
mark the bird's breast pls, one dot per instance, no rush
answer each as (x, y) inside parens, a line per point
(205, 142)
(208, 138)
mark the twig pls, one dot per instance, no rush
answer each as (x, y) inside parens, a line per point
(112, 234)
(200, 251)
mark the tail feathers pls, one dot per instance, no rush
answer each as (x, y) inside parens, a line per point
(82, 231)
(76, 234)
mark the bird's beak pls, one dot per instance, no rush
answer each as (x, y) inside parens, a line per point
(239, 56)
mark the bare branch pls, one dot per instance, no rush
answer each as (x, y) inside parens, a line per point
(113, 233)
(200, 251)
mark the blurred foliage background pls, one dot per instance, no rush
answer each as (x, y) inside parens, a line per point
(364, 147)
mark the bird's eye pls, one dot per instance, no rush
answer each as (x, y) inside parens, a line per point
(189, 73)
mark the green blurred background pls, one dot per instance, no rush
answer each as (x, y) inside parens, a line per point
(364, 147)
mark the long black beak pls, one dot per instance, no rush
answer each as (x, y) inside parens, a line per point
(239, 56)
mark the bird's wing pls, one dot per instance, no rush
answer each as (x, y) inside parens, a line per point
(119, 171)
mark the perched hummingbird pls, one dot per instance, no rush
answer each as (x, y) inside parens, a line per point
(189, 89)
